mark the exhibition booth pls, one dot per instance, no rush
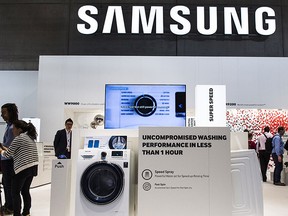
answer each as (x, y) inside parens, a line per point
(160, 94)
(83, 97)
(167, 141)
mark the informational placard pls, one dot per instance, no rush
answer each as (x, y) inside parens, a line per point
(210, 105)
(184, 171)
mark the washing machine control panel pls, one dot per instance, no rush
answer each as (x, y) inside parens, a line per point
(117, 154)
(104, 154)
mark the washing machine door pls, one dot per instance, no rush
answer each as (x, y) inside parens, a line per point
(102, 182)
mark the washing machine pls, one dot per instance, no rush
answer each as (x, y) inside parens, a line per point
(102, 183)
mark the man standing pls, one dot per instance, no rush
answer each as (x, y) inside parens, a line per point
(63, 140)
(277, 154)
(264, 156)
(9, 113)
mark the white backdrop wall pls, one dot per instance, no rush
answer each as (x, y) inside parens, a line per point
(250, 82)
(19, 87)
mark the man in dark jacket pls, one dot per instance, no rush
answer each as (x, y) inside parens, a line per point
(63, 140)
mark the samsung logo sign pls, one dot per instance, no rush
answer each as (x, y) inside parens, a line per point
(207, 20)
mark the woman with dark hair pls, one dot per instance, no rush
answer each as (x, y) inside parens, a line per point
(251, 143)
(9, 113)
(23, 150)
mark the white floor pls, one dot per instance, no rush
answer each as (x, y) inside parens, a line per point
(275, 200)
(40, 200)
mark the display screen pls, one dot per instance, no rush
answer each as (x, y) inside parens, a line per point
(131, 105)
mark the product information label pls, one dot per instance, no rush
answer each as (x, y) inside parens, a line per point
(184, 169)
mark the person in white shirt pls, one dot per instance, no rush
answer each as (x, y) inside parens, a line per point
(264, 156)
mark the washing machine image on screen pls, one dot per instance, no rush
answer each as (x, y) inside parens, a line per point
(102, 184)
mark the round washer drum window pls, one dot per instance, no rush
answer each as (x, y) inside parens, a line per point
(102, 182)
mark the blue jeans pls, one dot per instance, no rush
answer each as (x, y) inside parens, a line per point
(278, 168)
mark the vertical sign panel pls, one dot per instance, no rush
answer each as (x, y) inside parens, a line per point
(184, 171)
(210, 105)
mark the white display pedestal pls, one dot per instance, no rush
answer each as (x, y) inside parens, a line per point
(60, 188)
(246, 184)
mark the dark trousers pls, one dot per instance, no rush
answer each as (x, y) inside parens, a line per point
(68, 154)
(278, 168)
(21, 183)
(7, 173)
(264, 158)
